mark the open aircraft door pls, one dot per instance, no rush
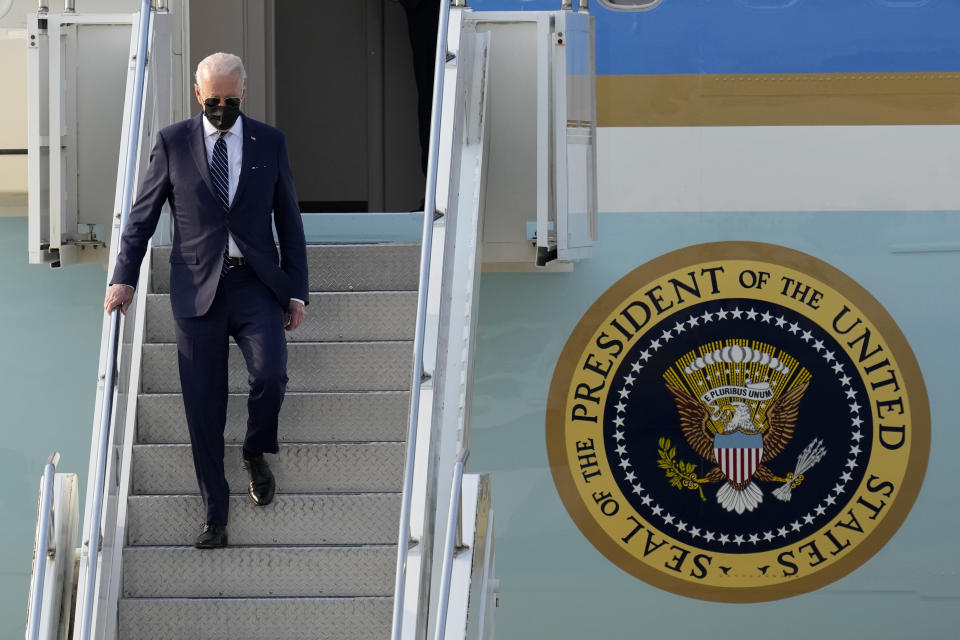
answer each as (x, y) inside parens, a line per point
(80, 69)
(541, 195)
(575, 135)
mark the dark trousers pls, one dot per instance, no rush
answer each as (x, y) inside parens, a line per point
(422, 20)
(245, 309)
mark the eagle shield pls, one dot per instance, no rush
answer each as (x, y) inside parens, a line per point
(738, 404)
(738, 454)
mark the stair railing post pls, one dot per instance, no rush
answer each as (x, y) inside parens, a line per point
(42, 546)
(453, 542)
(429, 209)
(92, 526)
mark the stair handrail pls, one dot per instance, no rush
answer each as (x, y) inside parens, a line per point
(44, 518)
(453, 542)
(426, 246)
(92, 523)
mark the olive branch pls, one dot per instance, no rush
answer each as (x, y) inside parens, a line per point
(681, 474)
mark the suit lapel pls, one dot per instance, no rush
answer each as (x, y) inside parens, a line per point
(248, 159)
(199, 151)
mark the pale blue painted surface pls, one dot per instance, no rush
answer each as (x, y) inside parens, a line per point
(556, 585)
(363, 227)
(49, 345)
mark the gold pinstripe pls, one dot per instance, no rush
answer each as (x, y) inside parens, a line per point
(778, 99)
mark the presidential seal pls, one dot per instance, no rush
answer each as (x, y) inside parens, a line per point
(737, 422)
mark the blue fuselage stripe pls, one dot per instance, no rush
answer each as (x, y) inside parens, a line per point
(737, 37)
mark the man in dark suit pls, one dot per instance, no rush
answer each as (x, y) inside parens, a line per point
(223, 175)
(423, 16)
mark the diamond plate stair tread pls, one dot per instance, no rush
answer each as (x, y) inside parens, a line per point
(306, 468)
(305, 417)
(256, 619)
(238, 572)
(289, 520)
(336, 267)
(311, 366)
(379, 315)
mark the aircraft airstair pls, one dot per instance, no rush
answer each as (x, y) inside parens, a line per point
(318, 562)
(375, 530)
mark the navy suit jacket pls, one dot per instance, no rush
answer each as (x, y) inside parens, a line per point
(179, 173)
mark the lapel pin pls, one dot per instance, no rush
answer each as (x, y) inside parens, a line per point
(252, 138)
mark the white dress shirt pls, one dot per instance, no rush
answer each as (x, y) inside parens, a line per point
(234, 140)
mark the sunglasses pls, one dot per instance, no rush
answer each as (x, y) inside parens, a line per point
(215, 102)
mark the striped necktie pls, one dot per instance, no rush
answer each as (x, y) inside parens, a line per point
(220, 172)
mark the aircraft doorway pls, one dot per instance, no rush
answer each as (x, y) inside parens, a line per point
(337, 78)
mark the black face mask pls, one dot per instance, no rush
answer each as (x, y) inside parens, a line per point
(222, 116)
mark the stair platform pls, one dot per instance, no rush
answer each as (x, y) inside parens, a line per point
(353, 618)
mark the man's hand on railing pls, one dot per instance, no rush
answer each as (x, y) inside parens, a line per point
(119, 296)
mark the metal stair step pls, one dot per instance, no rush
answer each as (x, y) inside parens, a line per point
(256, 619)
(305, 417)
(302, 468)
(335, 267)
(250, 572)
(298, 519)
(311, 366)
(374, 315)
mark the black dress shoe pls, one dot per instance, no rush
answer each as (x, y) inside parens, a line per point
(213, 536)
(262, 484)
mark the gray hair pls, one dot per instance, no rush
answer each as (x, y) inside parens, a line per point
(221, 64)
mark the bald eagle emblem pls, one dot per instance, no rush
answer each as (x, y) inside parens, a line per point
(738, 403)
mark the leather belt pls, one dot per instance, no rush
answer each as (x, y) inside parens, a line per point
(232, 262)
